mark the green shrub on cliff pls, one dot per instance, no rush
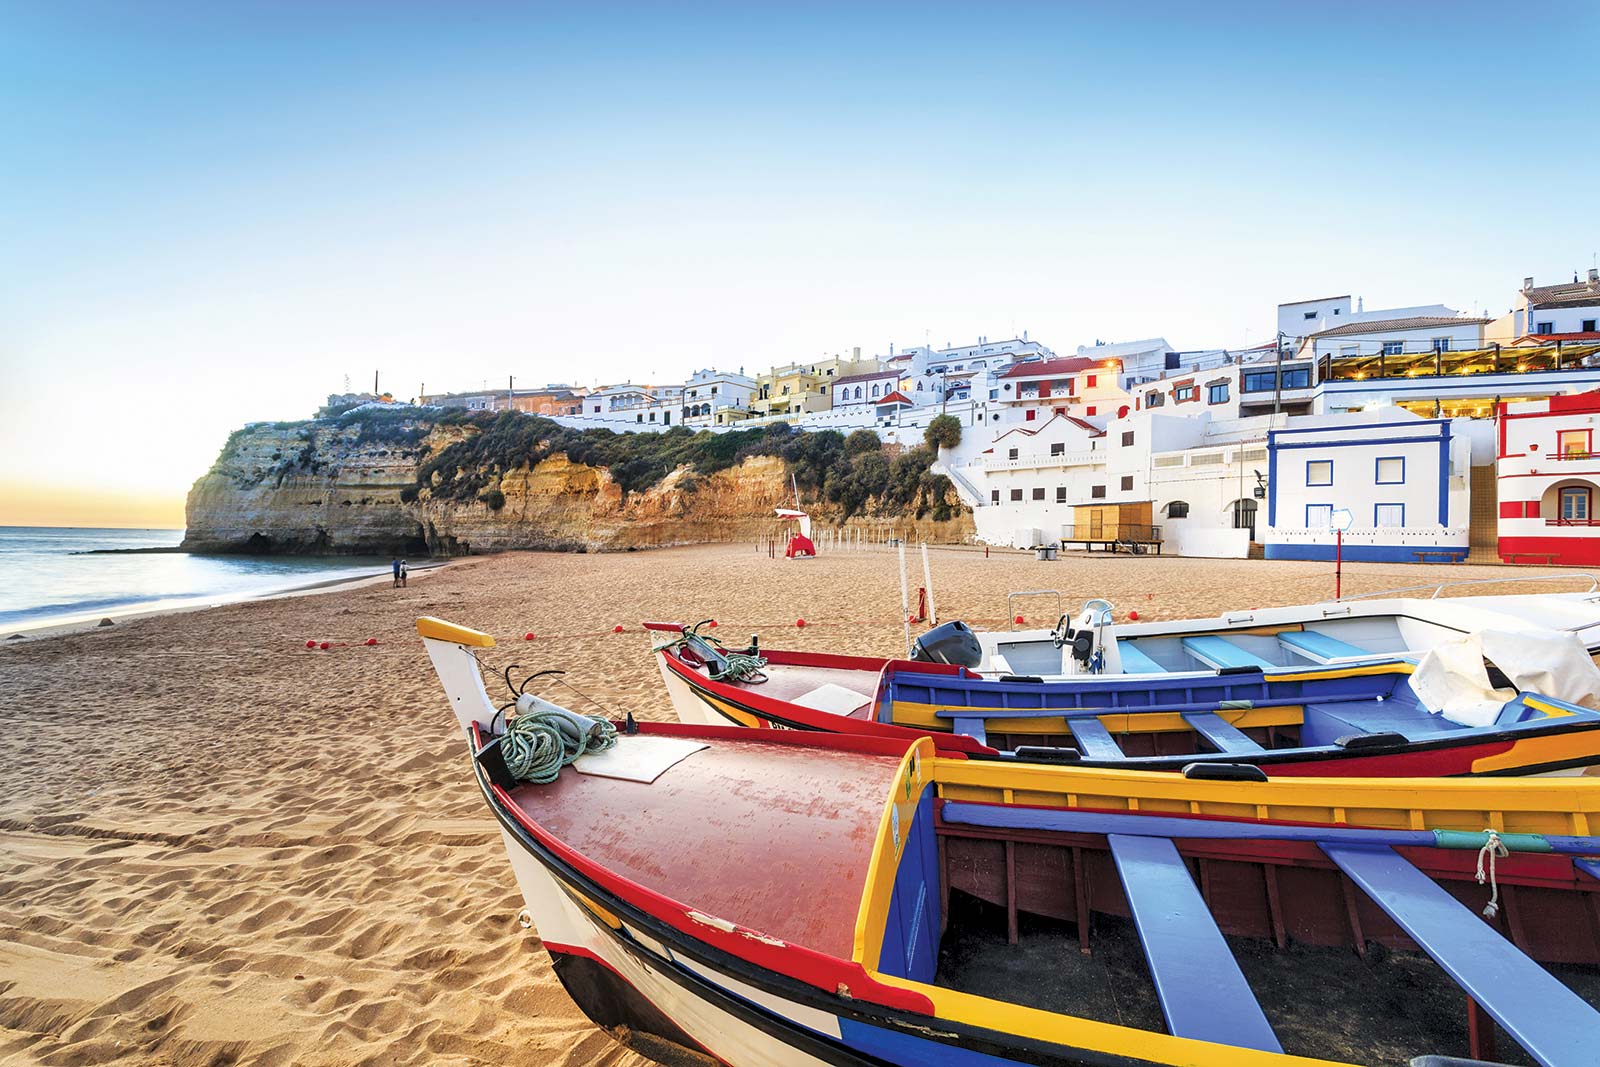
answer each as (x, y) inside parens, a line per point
(826, 463)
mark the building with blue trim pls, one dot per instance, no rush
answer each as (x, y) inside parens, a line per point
(1404, 479)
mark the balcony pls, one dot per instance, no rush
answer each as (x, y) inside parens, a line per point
(1428, 363)
(1035, 462)
(1572, 522)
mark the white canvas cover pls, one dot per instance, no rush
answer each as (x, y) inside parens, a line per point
(1452, 681)
(833, 699)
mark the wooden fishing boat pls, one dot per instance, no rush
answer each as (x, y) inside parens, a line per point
(779, 898)
(1358, 718)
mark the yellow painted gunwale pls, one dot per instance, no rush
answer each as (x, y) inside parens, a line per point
(440, 630)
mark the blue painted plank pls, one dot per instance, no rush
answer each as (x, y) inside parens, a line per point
(1217, 730)
(1589, 867)
(973, 727)
(1203, 993)
(1319, 645)
(1134, 661)
(1219, 652)
(1551, 1022)
(1072, 820)
(1094, 740)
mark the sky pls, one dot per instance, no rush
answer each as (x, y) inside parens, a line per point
(212, 214)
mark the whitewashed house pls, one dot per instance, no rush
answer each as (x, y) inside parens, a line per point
(1566, 311)
(1405, 480)
(716, 398)
(864, 389)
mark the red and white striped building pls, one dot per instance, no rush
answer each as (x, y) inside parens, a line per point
(1549, 480)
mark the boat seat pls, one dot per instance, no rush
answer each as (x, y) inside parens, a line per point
(1384, 717)
(1136, 662)
(1223, 735)
(1094, 740)
(1540, 1013)
(1319, 646)
(1219, 652)
(1203, 993)
(973, 726)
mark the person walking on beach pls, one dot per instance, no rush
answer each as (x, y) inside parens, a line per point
(396, 567)
(402, 574)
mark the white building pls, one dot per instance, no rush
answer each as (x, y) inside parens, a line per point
(1396, 336)
(866, 388)
(716, 398)
(1568, 311)
(1406, 482)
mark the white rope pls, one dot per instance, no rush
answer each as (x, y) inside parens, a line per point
(1492, 849)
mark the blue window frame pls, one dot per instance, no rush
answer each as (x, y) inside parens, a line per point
(1217, 394)
(1319, 516)
(1388, 515)
(1319, 472)
(1297, 378)
(1575, 503)
(1259, 381)
(1389, 470)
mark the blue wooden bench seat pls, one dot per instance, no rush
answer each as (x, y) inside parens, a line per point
(1223, 735)
(1546, 1018)
(1319, 646)
(1136, 662)
(1400, 717)
(1219, 652)
(1094, 740)
(1203, 993)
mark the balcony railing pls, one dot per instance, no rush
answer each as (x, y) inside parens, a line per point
(1572, 522)
(1574, 455)
(1111, 531)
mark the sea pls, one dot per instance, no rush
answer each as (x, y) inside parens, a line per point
(54, 575)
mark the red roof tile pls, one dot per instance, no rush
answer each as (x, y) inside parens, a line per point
(1046, 367)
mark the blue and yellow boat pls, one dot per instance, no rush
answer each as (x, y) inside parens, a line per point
(767, 898)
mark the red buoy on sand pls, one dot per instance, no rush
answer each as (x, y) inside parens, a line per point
(325, 645)
(311, 643)
(617, 629)
(371, 641)
(800, 623)
(528, 636)
(1020, 620)
(712, 625)
(1134, 615)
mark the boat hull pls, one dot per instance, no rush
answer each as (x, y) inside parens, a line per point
(1569, 747)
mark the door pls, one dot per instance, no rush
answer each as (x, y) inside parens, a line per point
(1244, 516)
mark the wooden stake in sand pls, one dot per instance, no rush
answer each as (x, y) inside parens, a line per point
(927, 583)
(905, 599)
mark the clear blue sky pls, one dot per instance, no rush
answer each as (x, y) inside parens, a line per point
(212, 213)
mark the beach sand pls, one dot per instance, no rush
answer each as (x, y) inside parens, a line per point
(219, 847)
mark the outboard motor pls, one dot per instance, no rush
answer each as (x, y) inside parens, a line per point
(1086, 637)
(949, 642)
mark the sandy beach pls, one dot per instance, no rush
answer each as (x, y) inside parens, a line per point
(219, 847)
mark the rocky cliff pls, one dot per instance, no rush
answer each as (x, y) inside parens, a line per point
(350, 487)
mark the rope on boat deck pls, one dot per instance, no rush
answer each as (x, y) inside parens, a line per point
(1492, 849)
(544, 737)
(742, 667)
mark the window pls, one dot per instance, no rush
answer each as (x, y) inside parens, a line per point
(1388, 515)
(1178, 509)
(1058, 449)
(1183, 393)
(1297, 378)
(994, 394)
(1319, 472)
(1544, 327)
(1154, 399)
(1089, 380)
(874, 390)
(1391, 470)
(1127, 483)
(1259, 381)
(1441, 344)
(1310, 315)
(1090, 410)
(1394, 348)
(1028, 416)
(857, 396)
(1588, 326)
(1319, 516)
(1573, 442)
(1011, 453)
(1016, 496)
(1061, 494)
(1127, 438)
(1097, 492)
(1038, 493)
(1217, 394)
(1575, 504)
(994, 496)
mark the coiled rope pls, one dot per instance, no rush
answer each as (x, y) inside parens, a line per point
(545, 737)
(742, 667)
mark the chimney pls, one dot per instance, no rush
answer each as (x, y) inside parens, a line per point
(855, 353)
(1594, 278)
(1527, 283)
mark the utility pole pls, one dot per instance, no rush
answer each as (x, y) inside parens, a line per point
(375, 384)
(1277, 378)
(511, 400)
